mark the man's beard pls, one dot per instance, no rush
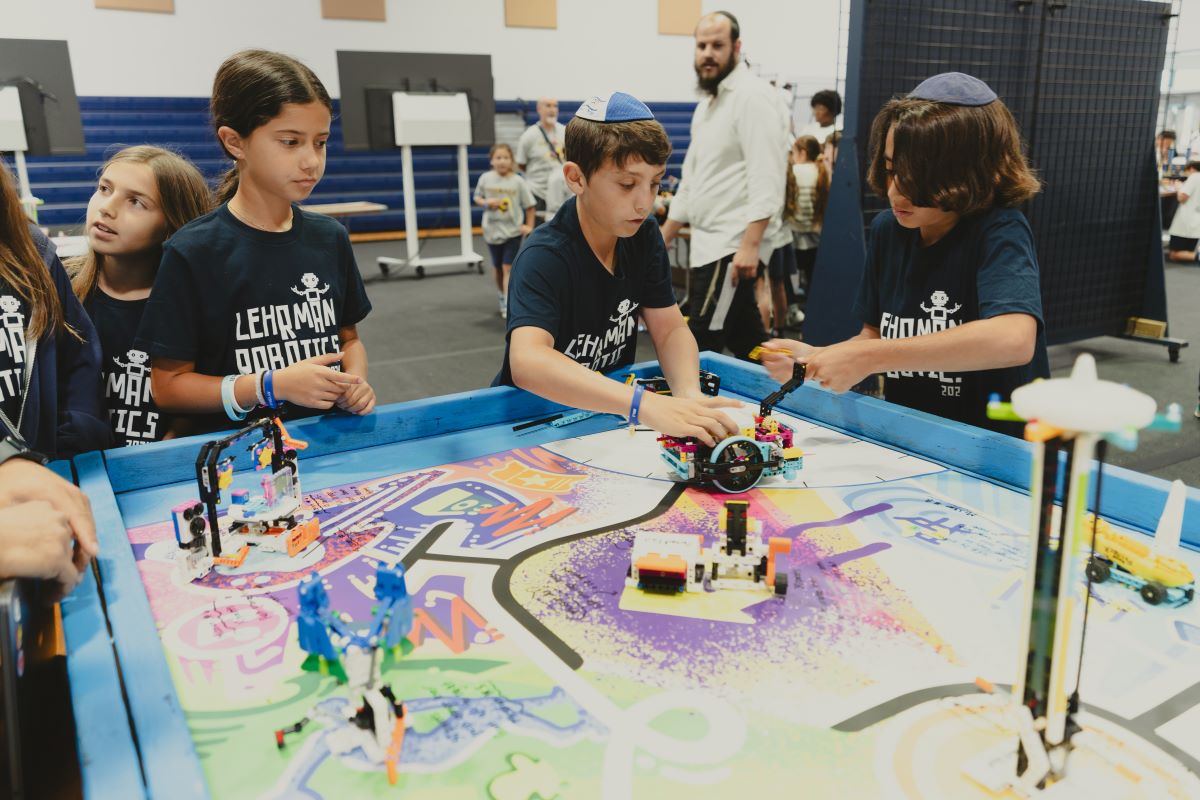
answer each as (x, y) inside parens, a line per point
(709, 85)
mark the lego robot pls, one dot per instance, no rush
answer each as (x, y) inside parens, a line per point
(737, 463)
(274, 521)
(674, 563)
(356, 659)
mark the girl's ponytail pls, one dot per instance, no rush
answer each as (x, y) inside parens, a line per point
(228, 185)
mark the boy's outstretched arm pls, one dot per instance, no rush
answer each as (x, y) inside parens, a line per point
(1007, 340)
(676, 348)
(538, 368)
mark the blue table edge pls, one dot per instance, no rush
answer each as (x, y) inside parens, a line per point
(109, 764)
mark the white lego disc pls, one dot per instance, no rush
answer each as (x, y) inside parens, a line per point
(1083, 402)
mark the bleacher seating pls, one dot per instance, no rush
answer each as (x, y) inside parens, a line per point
(65, 183)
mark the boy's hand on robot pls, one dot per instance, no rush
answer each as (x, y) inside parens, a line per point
(313, 383)
(701, 418)
(779, 365)
(840, 366)
(358, 399)
(836, 368)
(22, 481)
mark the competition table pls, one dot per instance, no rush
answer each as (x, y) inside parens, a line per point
(535, 671)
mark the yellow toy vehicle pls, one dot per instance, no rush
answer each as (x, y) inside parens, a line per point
(1158, 579)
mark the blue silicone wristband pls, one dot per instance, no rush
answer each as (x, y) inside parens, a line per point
(232, 409)
(636, 406)
(269, 389)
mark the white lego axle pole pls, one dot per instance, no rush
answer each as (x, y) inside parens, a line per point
(1077, 412)
(1068, 627)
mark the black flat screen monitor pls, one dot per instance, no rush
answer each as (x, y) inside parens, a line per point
(367, 79)
(41, 71)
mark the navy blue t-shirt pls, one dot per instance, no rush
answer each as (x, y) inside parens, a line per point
(984, 267)
(125, 370)
(233, 299)
(51, 389)
(559, 285)
(15, 367)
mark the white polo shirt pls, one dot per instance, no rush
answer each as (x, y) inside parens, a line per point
(734, 170)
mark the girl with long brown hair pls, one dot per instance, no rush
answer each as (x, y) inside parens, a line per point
(804, 206)
(49, 357)
(143, 196)
(257, 302)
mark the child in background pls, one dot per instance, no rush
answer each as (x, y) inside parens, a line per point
(804, 209)
(49, 355)
(1185, 226)
(509, 215)
(143, 196)
(257, 302)
(950, 300)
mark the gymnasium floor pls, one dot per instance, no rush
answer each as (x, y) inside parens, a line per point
(442, 334)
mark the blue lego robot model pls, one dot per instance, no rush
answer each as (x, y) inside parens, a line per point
(356, 658)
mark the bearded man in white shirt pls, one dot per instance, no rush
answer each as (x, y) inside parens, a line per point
(733, 182)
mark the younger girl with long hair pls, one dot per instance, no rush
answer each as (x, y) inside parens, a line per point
(257, 302)
(143, 196)
(804, 206)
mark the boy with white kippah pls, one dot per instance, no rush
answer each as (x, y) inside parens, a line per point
(581, 282)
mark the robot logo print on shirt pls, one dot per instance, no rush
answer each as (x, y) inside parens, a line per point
(310, 292)
(12, 347)
(603, 352)
(127, 392)
(939, 310)
(132, 384)
(279, 334)
(939, 316)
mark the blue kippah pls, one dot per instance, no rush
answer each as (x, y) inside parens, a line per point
(955, 88)
(615, 107)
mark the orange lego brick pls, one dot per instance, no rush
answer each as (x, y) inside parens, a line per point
(233, 561)
(393, 753)
(775, 546)
(672, 565)
(302, 536)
